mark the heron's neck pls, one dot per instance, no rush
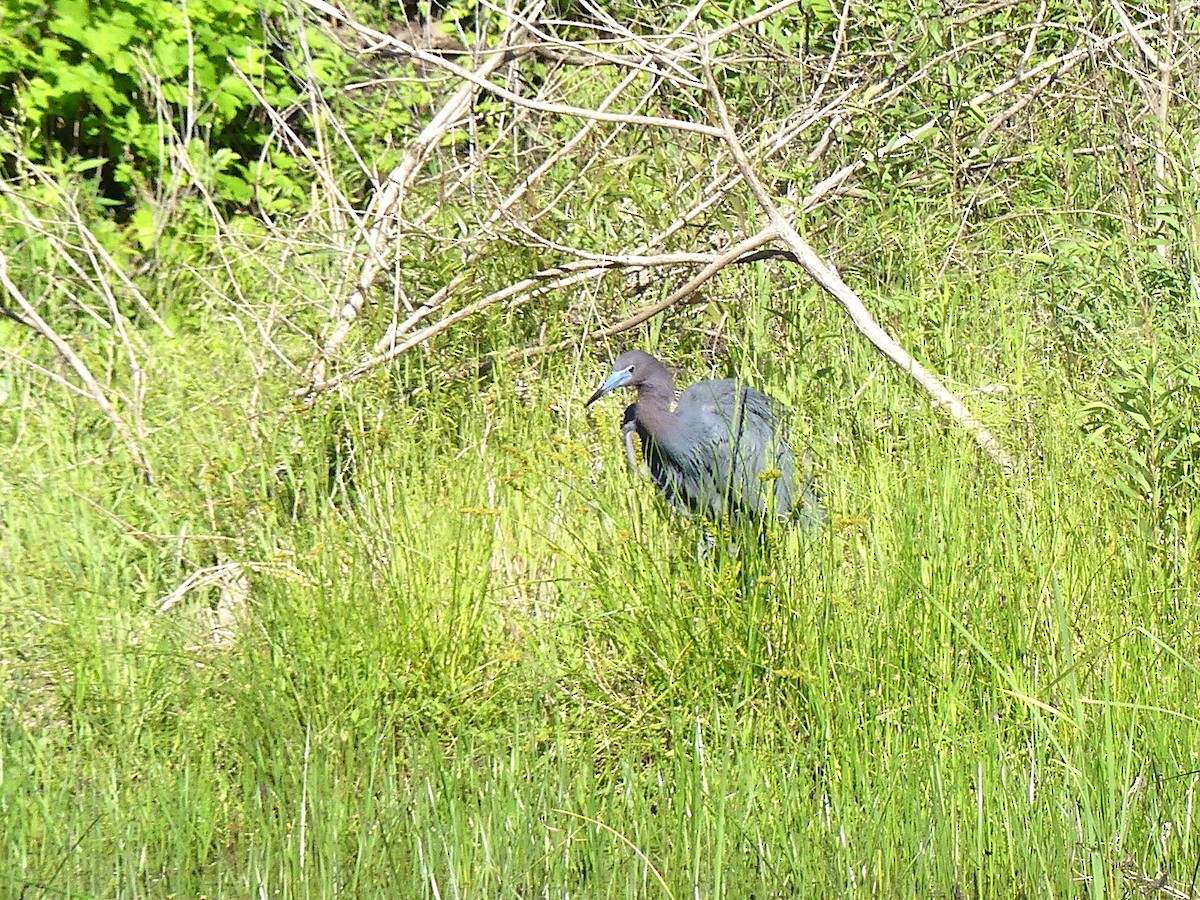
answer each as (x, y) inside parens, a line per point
(654, 408)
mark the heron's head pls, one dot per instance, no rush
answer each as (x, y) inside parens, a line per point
(632, 369)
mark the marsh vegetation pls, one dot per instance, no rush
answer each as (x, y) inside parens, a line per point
(366, 604)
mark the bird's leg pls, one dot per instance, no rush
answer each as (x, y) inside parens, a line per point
(627, 431)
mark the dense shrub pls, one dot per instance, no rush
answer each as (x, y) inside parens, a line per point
(110, 81)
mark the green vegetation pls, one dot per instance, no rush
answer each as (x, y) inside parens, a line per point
(119, 83)
(426, 637)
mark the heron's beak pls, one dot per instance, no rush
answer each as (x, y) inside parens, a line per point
(615, 380)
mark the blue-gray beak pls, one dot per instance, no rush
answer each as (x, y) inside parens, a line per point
(615, 380)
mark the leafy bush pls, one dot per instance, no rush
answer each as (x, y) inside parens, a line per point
(1151, 422)
(97, 80)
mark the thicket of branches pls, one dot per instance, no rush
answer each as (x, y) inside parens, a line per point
(738, 130)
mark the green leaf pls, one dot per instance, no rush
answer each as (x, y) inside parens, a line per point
(105, 39)
(142, 227)
(72, 21)
(170, 58)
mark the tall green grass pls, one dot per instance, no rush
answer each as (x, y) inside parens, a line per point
(477, 659)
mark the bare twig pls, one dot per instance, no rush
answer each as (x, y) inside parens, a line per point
(1157, 90)
(382, 40)
(388, 200)
(95, 391)
(102, 259)
(832, 282)
(48, 374)
(1057, 65)
(996, 122)
(545, 282)
(717, 263)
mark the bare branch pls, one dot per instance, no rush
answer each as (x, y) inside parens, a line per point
(388, 200)
(382, 40)
(543, 283)
(833, 284)
(739, 252)
(95, 391)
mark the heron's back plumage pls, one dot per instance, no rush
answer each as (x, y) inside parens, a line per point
(727, 457)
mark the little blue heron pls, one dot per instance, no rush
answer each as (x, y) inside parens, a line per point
(722, 453)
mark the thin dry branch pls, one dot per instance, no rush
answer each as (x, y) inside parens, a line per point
(545, 282)
(48, 374)
(184, 170)
(669, 57)
(780, 227)
(381, 41)
(1055, 67)
(1157, 90)
(95, 391)
(102, 260)
(740, 252)
(388, 200)
(397, 330)
(996, 122)
(650, 60)
(210, 575)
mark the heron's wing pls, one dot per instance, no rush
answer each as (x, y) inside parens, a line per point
(795, 493)
(741, 449)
